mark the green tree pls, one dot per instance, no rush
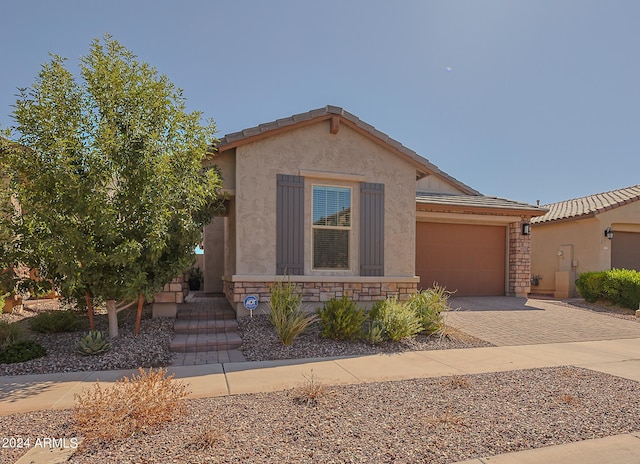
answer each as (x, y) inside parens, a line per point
(108, 173)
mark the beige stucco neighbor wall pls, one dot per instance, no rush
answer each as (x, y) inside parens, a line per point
(576, 246)
(313, 148)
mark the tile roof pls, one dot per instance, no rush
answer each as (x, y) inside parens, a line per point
(245, 136)
(589, 205)
(476, 201)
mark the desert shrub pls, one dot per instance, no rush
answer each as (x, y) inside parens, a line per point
(373, 332)
(398, 320)
(132, 405)
(429, 305)
(341, 319)
(310, 391)
(286, 313)
(622, 286)
(590, 285)
(9, 333)
(56, 321)
(21, 351)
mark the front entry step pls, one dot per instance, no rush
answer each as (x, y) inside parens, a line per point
(206, 331)
(196, 343)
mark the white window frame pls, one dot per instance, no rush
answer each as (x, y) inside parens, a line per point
(349, 228)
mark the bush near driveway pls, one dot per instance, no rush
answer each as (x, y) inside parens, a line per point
(620, 286)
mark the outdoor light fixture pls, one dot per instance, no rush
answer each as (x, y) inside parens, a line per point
(608, 233)
(526, 228)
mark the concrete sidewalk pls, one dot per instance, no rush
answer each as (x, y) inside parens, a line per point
(617, 357)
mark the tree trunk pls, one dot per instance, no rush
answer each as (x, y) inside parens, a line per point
(113, 318)
(87, 298)
(139, 313)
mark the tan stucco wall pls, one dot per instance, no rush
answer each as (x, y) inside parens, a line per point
(434, 184)
(226, 163)
(314, 148)
(583, 239)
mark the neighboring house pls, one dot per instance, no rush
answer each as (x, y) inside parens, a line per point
(339, 207)
(592, 233)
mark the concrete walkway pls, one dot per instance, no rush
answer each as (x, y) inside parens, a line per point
(619, 357)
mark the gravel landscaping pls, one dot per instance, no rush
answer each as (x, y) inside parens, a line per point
(260, 343)
(440, 420)
(128, 351)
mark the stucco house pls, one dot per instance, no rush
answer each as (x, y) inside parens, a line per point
(339, 207)
(591, 233)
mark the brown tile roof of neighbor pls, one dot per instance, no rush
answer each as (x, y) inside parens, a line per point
(338, 115)
(467, 203)
(589, 205)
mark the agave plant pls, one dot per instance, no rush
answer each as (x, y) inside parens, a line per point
(94, 343)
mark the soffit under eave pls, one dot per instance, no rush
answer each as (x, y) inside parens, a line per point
(522, 213)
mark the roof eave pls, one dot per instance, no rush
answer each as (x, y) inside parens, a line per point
(523, 212)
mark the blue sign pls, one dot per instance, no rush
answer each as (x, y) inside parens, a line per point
(250, 302)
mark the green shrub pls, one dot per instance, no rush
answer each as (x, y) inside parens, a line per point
(398, 320)
(56, 321)
(9, 333)
(590, 285)
(621, 286)
(429, 305)
(341, 319)
(21, 351)
(286, 313)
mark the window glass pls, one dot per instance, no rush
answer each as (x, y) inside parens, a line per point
(331, 227)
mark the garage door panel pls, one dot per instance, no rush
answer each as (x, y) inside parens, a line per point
(466, 258)
(625, 250)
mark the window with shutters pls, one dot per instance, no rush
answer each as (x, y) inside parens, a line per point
(331, 227)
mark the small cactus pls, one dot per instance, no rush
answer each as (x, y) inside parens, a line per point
(94, 343)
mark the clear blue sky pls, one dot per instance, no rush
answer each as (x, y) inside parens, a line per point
(527, 100)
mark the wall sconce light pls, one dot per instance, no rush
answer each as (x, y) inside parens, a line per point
(526, 228)
(608, 233)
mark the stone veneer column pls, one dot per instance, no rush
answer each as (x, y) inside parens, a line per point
(165, 303)
(519, 261)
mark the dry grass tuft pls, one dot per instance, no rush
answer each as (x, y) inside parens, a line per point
(569, 399)
(132, 405)
(311, 390)
(456, 381)
(447, 419)
(207, 439)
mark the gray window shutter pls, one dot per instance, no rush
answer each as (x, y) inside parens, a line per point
(371, 229)
(290, 225)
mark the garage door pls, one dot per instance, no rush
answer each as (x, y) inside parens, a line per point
(463, 257)
(625, 250)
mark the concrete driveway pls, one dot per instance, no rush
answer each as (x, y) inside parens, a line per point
(507, 321)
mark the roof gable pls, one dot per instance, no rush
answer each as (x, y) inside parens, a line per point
(579, 208)
(336, 116)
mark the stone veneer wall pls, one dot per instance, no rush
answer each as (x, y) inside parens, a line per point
(236, 291)
(519, 261)
(173, 292)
